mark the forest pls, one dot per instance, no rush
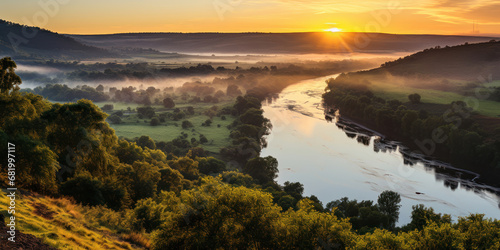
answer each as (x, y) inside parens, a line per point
(155, 195)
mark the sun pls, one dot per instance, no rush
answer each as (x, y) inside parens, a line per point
(334, 30)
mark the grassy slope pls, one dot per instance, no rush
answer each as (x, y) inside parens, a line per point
(459, 65)
(484, 107)
(60, 223)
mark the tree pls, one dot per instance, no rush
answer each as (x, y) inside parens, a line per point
(186, 166)
(207, 123)
(210, 165)
(388, 202)
(85, 189)
(203, 139)
(186, 124)
(146, 112)
(295, 189)
(414, 98)
(168, 103)
(262, 169)
(422, 216)
(233, 90)
(100, 88)
(155, 121)
(115, 119)
(8, 78)
(216, 215)
(146, 141)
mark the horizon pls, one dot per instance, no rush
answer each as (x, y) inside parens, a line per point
(486, 35)
(431, 17)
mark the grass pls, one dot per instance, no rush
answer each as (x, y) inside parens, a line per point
(218, 136)
(61, 224)
(492, 84)
(388, 92)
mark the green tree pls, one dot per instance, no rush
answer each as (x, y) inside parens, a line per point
(388, 202)
(218, 216)
(9, 81)
(422, 216)
(168, 103)
(115, 119)
(263, 169)
(155, 121)
(186, 124)
(146, 142)
(414, 98)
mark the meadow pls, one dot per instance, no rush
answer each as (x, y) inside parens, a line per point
(217, 133)
(391, 91)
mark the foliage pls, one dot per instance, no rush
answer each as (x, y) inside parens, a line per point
(262, 169)
(9, 81)
(388, 202)
(414, 98)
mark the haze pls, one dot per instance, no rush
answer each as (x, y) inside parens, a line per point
(401, 17)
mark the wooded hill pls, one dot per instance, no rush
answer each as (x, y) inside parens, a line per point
(33, 42)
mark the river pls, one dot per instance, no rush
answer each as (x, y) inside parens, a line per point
(331, 165)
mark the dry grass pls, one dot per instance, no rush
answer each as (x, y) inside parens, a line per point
(64, 225)
(137, 238)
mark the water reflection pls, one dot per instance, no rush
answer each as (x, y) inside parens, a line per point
(451, 177)
(338, 158)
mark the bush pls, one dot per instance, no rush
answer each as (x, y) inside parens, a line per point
(155, 121)
(414, 98)
(108, 107)
(168, 103)
(186, 124)
(203, 139)
(115, 119)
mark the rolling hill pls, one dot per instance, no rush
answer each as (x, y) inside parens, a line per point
(17, 40)
(466, 62)
(286, 43)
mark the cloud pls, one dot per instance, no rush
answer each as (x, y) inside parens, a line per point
(447, 11)
(338, 6)
(464, 11)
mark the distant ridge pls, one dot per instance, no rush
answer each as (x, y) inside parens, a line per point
(467, 61)
(44, 44)
(255, 43)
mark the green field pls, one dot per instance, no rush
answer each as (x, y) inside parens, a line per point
(217, 133)
(218, 137)
(388, 92)
(492, 84)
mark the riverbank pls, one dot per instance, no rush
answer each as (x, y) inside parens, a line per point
(332, 165)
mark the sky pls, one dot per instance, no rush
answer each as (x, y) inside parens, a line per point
(463, 17)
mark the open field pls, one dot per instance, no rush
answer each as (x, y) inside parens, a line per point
(388, 92)
(218, 137)
(217, 133)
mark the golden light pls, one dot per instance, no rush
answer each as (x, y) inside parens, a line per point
(334, 30)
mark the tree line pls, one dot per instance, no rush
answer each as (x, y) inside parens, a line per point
(195, 201)
(465, 141)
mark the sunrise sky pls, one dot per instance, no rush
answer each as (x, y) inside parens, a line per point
(117, 16)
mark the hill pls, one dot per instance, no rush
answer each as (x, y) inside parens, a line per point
(467, 62)
(17, 40)
(296, 43)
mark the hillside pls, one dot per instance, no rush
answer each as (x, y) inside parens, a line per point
(45, 43)
(59, 223)
(310, 42)
(463, 62)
